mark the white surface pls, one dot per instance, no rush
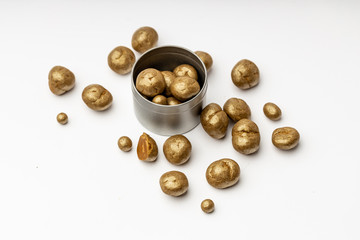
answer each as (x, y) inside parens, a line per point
(72, 182)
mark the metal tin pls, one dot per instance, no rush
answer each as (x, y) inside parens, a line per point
(165, 119)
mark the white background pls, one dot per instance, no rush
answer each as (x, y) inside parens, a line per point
(72, 181)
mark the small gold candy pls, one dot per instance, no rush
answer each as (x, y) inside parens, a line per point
(272, 111)
(62, 118)
(184, 88)
(206, 58)
(160, 99)
(245, 136)
(285, 138)
(223, 173)
(144, 38)
(207, 206)
(121, 60)
(177, 149)
(147, 149)
(245, 74)
(125, 143)
(186, 70)
(237, 109)
(174, 183)
(150, 82)
(214, 121)
(172, 101)
(61, 80)
(97, 97)
(169, 77)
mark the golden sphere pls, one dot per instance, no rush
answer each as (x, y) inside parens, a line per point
(245, 74)
(214, 121)
(207, 206)
(272, 111)
(169, 78)
(285, 138)
(237, 109)
(223, 173)
(121, 60)
(205, 58)
(174, 183)
(160, 99)
(144, 38)
(61, 80)
(186, 70)
(177, 149)
(245, 136)
(125, 144)
(184, 88)
(150, 82)
(172, 101)
(97, 97)
(62, 118)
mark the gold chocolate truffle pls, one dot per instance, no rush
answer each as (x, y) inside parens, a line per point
(177, 149)
(245, 74)
(160, 99)
(207, 206)
(285, 138)
(169, 77)
(237, 109)
(172, 101)
(125, 144)
(144, 38)
(245, 136)
(272, 111)
(147, 149)
(214, 121)
(121, 59)
(186, 70)
(97, 97)
(206, 58)
(174, 183)
(150, 82)
(61, 80)
(223, 173)
(184, 88)
(62, 118)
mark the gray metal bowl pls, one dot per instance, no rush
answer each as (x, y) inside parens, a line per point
(163, 119)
